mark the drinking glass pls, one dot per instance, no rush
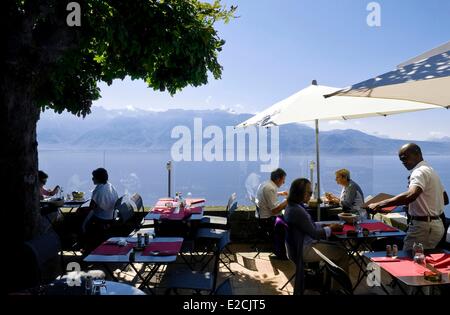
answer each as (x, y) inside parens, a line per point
(419, 256)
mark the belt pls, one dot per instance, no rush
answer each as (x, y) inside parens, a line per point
(425, 218)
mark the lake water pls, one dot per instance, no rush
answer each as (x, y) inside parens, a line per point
(145, 172)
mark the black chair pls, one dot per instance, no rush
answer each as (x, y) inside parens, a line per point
(219, 222)
(37, 261)
(125, 221)
(210, 237)
(195, 280)
(264, 230)
(137, 200)
(306, 272)
(224, 288)
(337, 273)
(287, 251)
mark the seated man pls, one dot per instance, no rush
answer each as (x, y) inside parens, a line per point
(352, 197)
(304, 233)
(100, 213)
(267, 199)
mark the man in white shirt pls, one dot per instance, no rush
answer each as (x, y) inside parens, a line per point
(425, 200)
(267, 195)
(268, 206)
(101, 209)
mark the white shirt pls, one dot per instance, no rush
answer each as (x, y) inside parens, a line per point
(105, 197)
(431, 201)
(267, 199)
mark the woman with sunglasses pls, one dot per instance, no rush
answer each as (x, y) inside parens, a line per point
(304, 233)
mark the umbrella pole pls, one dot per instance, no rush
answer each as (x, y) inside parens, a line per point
(318, 169)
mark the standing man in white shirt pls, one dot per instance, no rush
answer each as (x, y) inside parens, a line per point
(425, 200)
(267, 199)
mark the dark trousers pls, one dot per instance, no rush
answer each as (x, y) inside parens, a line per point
(267, 226)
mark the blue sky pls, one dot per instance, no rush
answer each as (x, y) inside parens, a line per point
(276, 47)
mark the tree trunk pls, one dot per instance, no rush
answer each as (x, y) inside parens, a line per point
(19, 158)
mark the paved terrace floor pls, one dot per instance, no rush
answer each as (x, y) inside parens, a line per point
(263, 275)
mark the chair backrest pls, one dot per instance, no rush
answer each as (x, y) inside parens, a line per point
(38, 252)
(337, 273)
(125, 211)
(232, 205)
(137, 199)
(279, 237)
(116, 207)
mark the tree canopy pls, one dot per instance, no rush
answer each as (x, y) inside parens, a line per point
(168, 43)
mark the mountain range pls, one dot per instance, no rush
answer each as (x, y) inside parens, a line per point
(134, 129)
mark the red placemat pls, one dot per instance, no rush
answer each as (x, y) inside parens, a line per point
(385, 259)
(195, 210)
(439, 260)
(372, 226)
(403, 268)
(109, 248)
(162, 249)
(378, 226)
(346, 228)
(162, 210)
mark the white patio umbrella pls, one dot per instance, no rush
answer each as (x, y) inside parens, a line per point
(310, 104)
(425, 78)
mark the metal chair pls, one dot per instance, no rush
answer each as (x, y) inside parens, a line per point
(137, 200)
(220, 222)
(263, 235)
(307, 269)
(224, 288)
(337, 273)
(211, 236)
(286, 246)
(195, 280)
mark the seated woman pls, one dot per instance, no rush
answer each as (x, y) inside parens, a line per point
(43, 192)
(305, 234)
(48, 210)
(352, 197)
(99, 215)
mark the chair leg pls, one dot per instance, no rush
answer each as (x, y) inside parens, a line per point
(290, 279)
(207, 263)
(226, 266)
